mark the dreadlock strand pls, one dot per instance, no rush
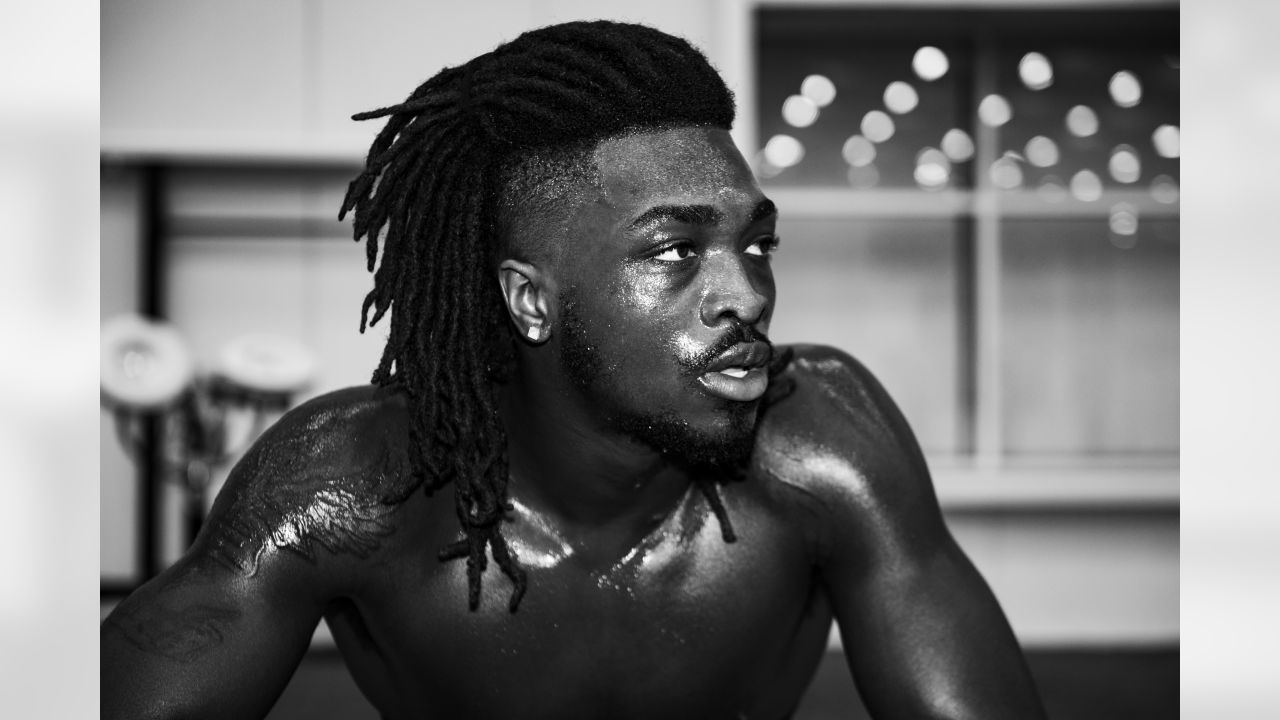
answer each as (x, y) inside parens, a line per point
(549, 77)
(415, 129)
(519, 579)
(491, 458)
(712, 494)
(484, 501)
(422, 98)
(389, 275)
(385, 138)
(454, 550)
(455, 417)
(411, 266)
(532, 110)
(476, 562)
(391, 172)
(635, 59)
(356, 193)
(555, 62)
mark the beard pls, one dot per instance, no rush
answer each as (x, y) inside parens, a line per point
(728, 448)
(671, 435)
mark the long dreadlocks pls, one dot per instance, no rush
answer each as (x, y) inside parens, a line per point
(432, 189)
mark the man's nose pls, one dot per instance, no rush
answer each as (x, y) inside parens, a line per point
(732, 292)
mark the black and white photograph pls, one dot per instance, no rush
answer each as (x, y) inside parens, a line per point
(680, 359)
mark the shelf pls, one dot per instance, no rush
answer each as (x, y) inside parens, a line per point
(836, 202)
(966, 486)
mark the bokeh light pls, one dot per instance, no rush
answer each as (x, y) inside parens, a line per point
(957, 144)
(766, 170)
(1164, 189)
(858, 151)
(930, 63)
(1086, 186)
(799, 111)
(783, 151)
(1051, 189)
(1125, 89)
(864, 177)
(1006, 173)
(1124, 219)
(1123, 223)
(1042, 152)
(877, 126)
(1082, 121)
(900, 97)
(1167, 141)
(994, 110)
(819, 89)
(1124, 165)
(933, 169)
(1035, 71)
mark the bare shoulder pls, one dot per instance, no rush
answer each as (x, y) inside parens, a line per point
(835, 406)
(837, 437)
(322, 483)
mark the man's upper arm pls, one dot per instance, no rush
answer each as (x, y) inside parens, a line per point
(922, 632)
(220, 633)
(201, 641)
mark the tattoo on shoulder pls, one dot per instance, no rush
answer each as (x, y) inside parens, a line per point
(303, 493)
(181, 633)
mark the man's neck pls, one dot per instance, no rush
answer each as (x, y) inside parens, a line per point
(563, 462)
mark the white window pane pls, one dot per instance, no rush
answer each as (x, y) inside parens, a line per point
(1090, 338)
(887, 292)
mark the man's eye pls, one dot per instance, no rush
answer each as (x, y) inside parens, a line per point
(675, 253)
(763, 246)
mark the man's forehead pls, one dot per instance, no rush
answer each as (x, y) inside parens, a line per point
(674, 165)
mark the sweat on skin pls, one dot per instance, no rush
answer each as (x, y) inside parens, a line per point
(647, 424)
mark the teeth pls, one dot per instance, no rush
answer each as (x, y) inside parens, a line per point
(735, 372)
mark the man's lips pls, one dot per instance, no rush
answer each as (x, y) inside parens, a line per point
(744, 355)
(739, 373)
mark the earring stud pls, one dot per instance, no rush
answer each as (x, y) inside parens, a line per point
(535, 332)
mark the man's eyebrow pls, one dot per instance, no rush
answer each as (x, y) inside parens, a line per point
(764, 209)
(701, 215)
(687, 214)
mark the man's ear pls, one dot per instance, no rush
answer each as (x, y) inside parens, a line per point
(528, 292)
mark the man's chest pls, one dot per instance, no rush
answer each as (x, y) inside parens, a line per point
(682, 624)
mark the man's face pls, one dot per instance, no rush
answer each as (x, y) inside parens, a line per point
(667, 292)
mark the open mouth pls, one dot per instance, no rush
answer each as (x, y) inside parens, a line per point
(739, 384)
(739, 374)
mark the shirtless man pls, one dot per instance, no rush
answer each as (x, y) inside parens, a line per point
(583, 484)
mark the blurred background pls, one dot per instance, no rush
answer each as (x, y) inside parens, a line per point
(980, 200)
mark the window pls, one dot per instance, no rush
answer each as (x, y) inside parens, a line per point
(982, 205)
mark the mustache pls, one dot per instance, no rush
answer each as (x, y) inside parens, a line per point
(738, 332)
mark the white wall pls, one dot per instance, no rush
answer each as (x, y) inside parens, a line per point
(259, 79)
(247, 75)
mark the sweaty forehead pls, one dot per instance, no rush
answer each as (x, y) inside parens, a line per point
(679, 165)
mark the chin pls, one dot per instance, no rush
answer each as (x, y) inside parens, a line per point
(725, 440)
